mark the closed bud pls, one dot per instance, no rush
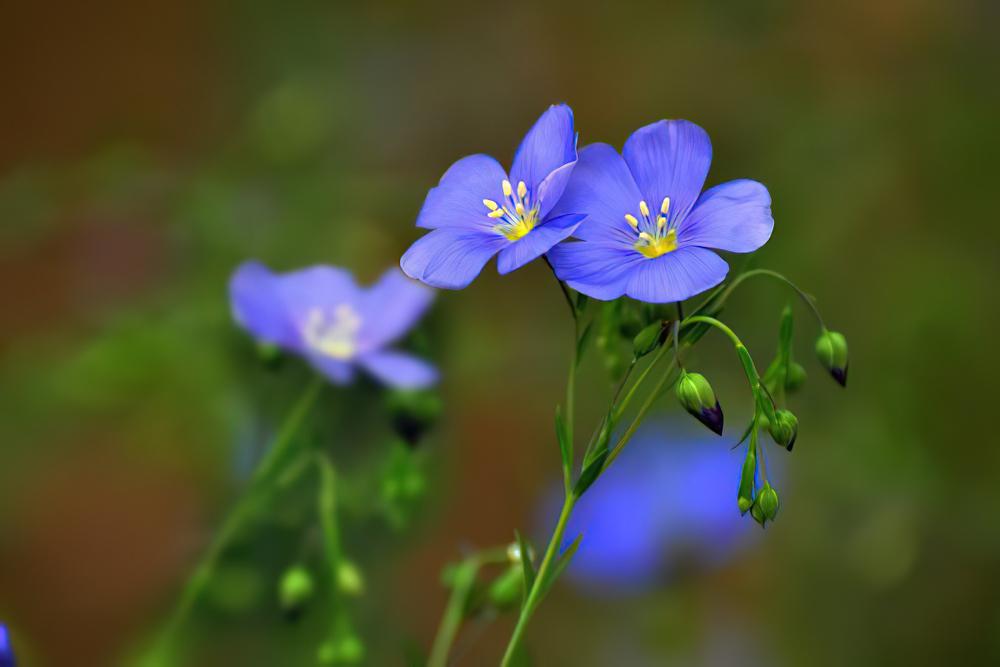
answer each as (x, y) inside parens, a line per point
(795, 376)
(345, 648)
(757, 514)
(270, 354)
(647, 340)
(784, 429)
(412, 413)
(831, 348)
(504, 592)
(295, 590)
(349, 579)
(696, 395)
(767, 500)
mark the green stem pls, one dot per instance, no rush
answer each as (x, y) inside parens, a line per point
(528, 609)
(234, 522)
(806, 298)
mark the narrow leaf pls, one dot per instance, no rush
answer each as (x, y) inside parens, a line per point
(565, 446)
(561, 564)
(590, 473)
(527, 567)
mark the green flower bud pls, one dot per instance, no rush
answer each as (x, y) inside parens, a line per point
(795, 377)
(346, 648)
(831, 348)
(757, 514)
(295, 590)
(349, 579)
(696, 395)
(505, 591)
(784, 429)
(744, 498)
(413, 412)
(647, 340)
(767, 500)
(270, 354)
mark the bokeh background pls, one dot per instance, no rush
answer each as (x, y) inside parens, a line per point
(147, 148)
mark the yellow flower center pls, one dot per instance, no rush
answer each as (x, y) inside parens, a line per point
(333, 333)
(655, 237)
(517, 216)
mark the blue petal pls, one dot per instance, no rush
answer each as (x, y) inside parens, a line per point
(548, 145)
(669, 158)
(733, 216)
(337, 371)
(537, 242)
(258, 306)
(457, 201)
(603, 189)
(450, 257)
(323, 287)
(599, 270)
(399, 370)
(676, 276)
(390, 308)
(552, 187)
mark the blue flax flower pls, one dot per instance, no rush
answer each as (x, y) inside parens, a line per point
(478, 210)
(649, 226)
(321, 314)
(6, 650)
(667, 505)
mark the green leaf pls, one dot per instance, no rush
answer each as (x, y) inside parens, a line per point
(583, 341)
(565, 446)
(785, 334)
(527, 567)
(590, 473)
(561, 564)
(647, 340)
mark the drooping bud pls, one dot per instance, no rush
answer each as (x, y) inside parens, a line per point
(696, 395)
(784, 429)
(767, 501)
(349, 579)
(795, 377)
(650, 338)
(295, 590)
(413, 413)
(831, 348)
(505, 592)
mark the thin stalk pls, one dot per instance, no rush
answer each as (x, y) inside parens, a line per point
(528, 609)
(234, 522)
(806, 298)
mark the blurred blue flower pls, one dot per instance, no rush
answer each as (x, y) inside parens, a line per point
(477, 210)
(6, 650)
(668, 502)
(658, 254)
(321, 314)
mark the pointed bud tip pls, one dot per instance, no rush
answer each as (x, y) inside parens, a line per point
(712, 418)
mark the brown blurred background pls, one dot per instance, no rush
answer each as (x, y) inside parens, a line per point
(147, 148)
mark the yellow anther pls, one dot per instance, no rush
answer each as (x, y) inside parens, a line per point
(665, 206)
(498, 213)
(519, 207)
(522, 189)
(661, 222)
(490, 204)
(630, 219)
(507, 190)
(644, 209)
(646, 236)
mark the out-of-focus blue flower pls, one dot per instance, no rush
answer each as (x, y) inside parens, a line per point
(667, 503)
(649, 226)
(6, 650)
(321, 314)
(477, 210)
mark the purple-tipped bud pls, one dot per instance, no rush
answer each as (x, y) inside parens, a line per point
(831, 348)
(696, 395)
(784, 429)
(6, 649)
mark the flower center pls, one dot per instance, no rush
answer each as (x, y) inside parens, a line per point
(333, 333)
(655, 236)
(517, 216)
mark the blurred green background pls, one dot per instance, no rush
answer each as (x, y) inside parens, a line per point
(147, 148)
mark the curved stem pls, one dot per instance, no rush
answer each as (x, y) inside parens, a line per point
(806, 298)
(234, 522)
